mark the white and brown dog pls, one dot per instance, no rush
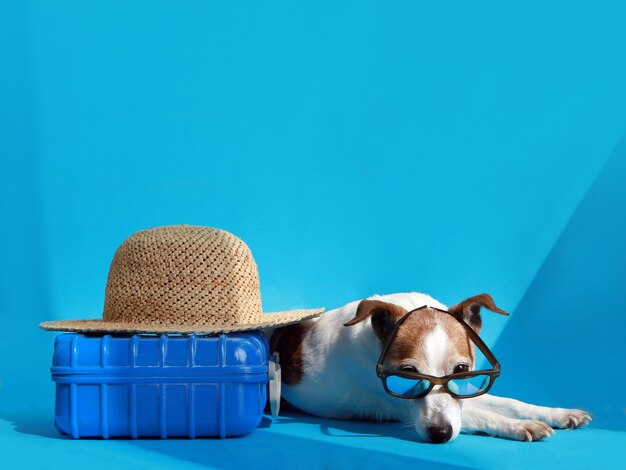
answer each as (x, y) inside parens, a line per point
(328, 370)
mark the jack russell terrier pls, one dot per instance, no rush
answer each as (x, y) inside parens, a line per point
(329, 369)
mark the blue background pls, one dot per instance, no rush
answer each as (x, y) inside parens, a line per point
(358, 148)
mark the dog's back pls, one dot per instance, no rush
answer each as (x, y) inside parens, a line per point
(329, 370)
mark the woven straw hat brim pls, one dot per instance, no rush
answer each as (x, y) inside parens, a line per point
(98, 325)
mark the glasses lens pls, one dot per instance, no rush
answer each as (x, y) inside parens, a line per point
(407, 387)
(469, 385)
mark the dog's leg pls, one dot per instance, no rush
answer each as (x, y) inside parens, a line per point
(476, 420)
(560, 418)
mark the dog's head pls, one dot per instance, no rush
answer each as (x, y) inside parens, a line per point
(431, 343)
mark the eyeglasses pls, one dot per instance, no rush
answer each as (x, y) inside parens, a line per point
(413, 385)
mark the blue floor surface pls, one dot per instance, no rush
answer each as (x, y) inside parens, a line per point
(298, 441)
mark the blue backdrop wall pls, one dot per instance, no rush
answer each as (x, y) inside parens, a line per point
(357, 148)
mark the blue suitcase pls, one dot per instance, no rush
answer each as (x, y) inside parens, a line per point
(160, 385)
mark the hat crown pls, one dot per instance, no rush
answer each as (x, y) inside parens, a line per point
(183, 275)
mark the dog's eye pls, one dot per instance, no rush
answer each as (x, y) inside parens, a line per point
(461, 368)
(408, 368)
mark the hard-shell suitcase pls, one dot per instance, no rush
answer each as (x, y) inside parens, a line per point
(160, 385)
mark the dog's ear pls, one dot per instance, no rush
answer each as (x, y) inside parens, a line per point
(384, 316)
(469, 310)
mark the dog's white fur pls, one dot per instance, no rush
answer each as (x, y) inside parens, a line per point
(339, 381)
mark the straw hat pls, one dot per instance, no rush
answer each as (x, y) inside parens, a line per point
(182, 279)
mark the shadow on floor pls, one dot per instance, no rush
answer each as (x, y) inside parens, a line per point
(298, 440)
(38, 424)
(337, 428)
(303, 441)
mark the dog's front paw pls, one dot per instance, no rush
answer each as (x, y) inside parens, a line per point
(562, 418)
(529, 430)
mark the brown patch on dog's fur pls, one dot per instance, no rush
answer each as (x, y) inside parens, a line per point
(287, 342)
(459, 339)
(409, 342)
(409, 339)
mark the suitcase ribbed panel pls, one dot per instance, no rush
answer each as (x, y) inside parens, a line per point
(159, 385)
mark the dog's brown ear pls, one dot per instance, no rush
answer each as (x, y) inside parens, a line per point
(469, 310)
(384, 316)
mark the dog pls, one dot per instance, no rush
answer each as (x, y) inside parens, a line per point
(329, 370)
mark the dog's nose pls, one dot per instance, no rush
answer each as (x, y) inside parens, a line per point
(440, 434)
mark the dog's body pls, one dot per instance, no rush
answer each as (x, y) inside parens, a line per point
(328, 370)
